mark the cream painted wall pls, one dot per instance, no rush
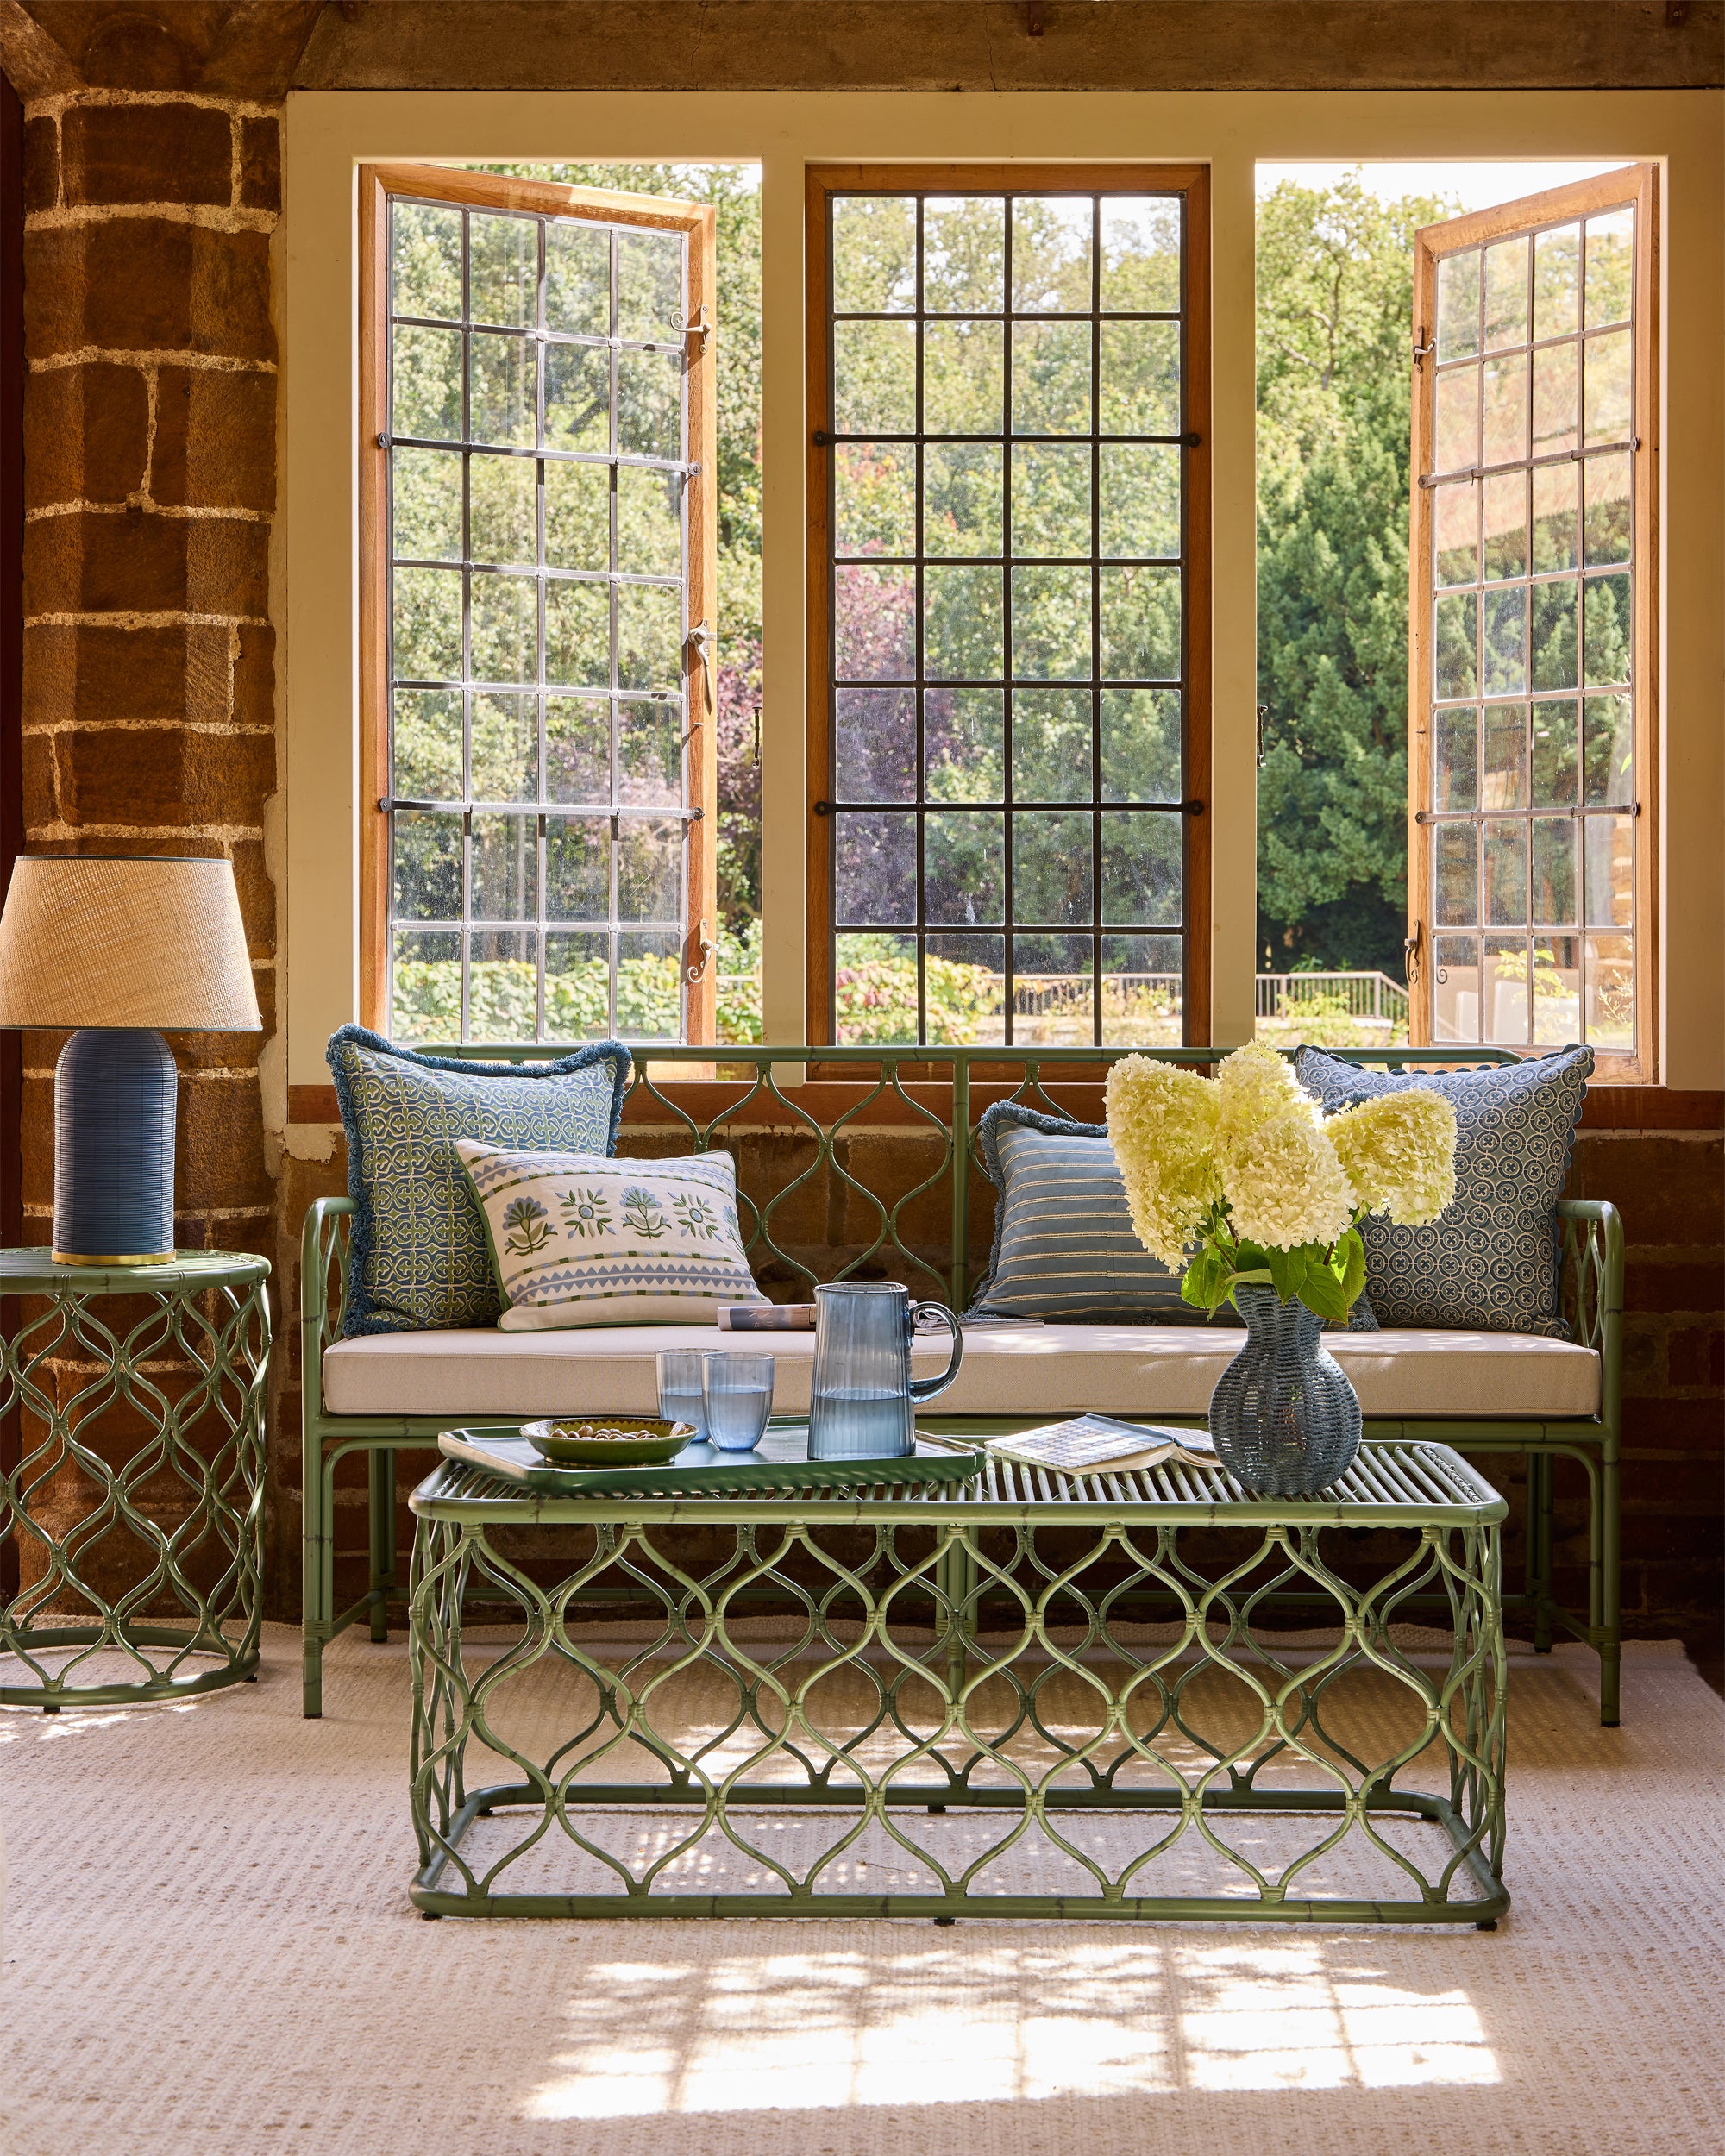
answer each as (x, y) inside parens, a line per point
(325, 134)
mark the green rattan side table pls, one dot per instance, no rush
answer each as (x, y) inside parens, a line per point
(131, 1476)
(1019, 1695)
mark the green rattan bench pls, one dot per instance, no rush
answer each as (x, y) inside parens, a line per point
(934, 1091)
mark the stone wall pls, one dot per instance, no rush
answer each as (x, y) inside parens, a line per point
(149, 682)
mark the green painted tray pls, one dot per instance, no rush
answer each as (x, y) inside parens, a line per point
(780, 1461)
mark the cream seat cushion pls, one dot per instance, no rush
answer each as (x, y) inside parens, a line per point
(1011, 1369)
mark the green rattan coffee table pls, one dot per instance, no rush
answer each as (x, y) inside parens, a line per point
(1018, 1695)
(131, 1476)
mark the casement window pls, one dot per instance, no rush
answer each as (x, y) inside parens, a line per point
(537, 532)
(1009, 667)
(1534, 583)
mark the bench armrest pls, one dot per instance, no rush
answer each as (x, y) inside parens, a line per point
(1592, 1290)
(323, 1250)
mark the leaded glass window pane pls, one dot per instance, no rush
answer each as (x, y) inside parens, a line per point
(1532, 570)
(1009, 588)
(539, 563)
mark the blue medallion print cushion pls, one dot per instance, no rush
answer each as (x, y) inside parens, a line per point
(1064, 1246)
(420, 1259)
(1491, 1262)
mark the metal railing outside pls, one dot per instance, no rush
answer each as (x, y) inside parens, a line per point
(1361, 995)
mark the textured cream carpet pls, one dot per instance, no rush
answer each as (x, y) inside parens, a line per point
(209, 1949)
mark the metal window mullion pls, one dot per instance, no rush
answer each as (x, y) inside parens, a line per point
(921, 693)
(466, 937)
(830, 572)
(920, 649)
(547, 454)
(1008, 471)
(1185, 690)
(541, 833)
(1097, 619)
(684, 894)
(389, 603)
(613, 946)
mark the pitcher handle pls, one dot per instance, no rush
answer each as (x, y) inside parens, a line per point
(926, 1388)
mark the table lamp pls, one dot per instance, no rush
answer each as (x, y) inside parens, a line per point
(123, 949)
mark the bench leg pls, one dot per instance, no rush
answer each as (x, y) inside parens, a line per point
(1609, 1619)
(381, 1511)
(317, 1605)
(1541, 1474)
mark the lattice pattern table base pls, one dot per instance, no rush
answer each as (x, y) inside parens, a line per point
(964, 1710)
(135, 1494)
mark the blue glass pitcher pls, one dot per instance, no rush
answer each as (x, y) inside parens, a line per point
(863, 1399)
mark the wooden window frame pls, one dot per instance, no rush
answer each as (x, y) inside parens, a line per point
(1191, 181)
(486, 191)
(1432, 243)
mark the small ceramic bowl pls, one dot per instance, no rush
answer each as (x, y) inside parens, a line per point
(630, 1441)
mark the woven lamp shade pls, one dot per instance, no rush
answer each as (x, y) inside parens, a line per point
(131, 942)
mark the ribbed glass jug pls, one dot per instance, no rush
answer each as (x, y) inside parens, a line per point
(863, 1400)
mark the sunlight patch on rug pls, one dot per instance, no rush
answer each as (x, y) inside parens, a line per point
(759, 2030)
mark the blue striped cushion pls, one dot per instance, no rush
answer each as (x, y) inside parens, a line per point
(1065, 1247)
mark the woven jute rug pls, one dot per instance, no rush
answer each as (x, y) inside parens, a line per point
(209, 1951)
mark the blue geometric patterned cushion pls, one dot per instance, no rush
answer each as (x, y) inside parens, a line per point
(1491, 1263)
(419, 1259)
(1064, 1246)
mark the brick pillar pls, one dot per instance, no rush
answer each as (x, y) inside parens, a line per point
(150, 690)
(149, 682)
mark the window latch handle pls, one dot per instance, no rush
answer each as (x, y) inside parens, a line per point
(700, 329)
(1411, 953)
(703, 948)
(699, 642)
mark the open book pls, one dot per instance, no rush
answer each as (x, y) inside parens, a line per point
(1088, 1442)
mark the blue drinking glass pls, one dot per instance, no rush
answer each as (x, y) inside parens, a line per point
(739, 1399)
(680, 1397)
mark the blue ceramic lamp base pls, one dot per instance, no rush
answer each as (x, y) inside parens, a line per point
(115, 1095)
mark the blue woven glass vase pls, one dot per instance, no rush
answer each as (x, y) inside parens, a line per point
(1283, 1416)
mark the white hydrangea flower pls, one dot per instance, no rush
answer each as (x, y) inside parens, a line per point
(1256, 1086)
(1398, 1151)
(1285, 1184)
(1162, 1123)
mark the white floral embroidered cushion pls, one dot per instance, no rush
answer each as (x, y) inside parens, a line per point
(580, 1239)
